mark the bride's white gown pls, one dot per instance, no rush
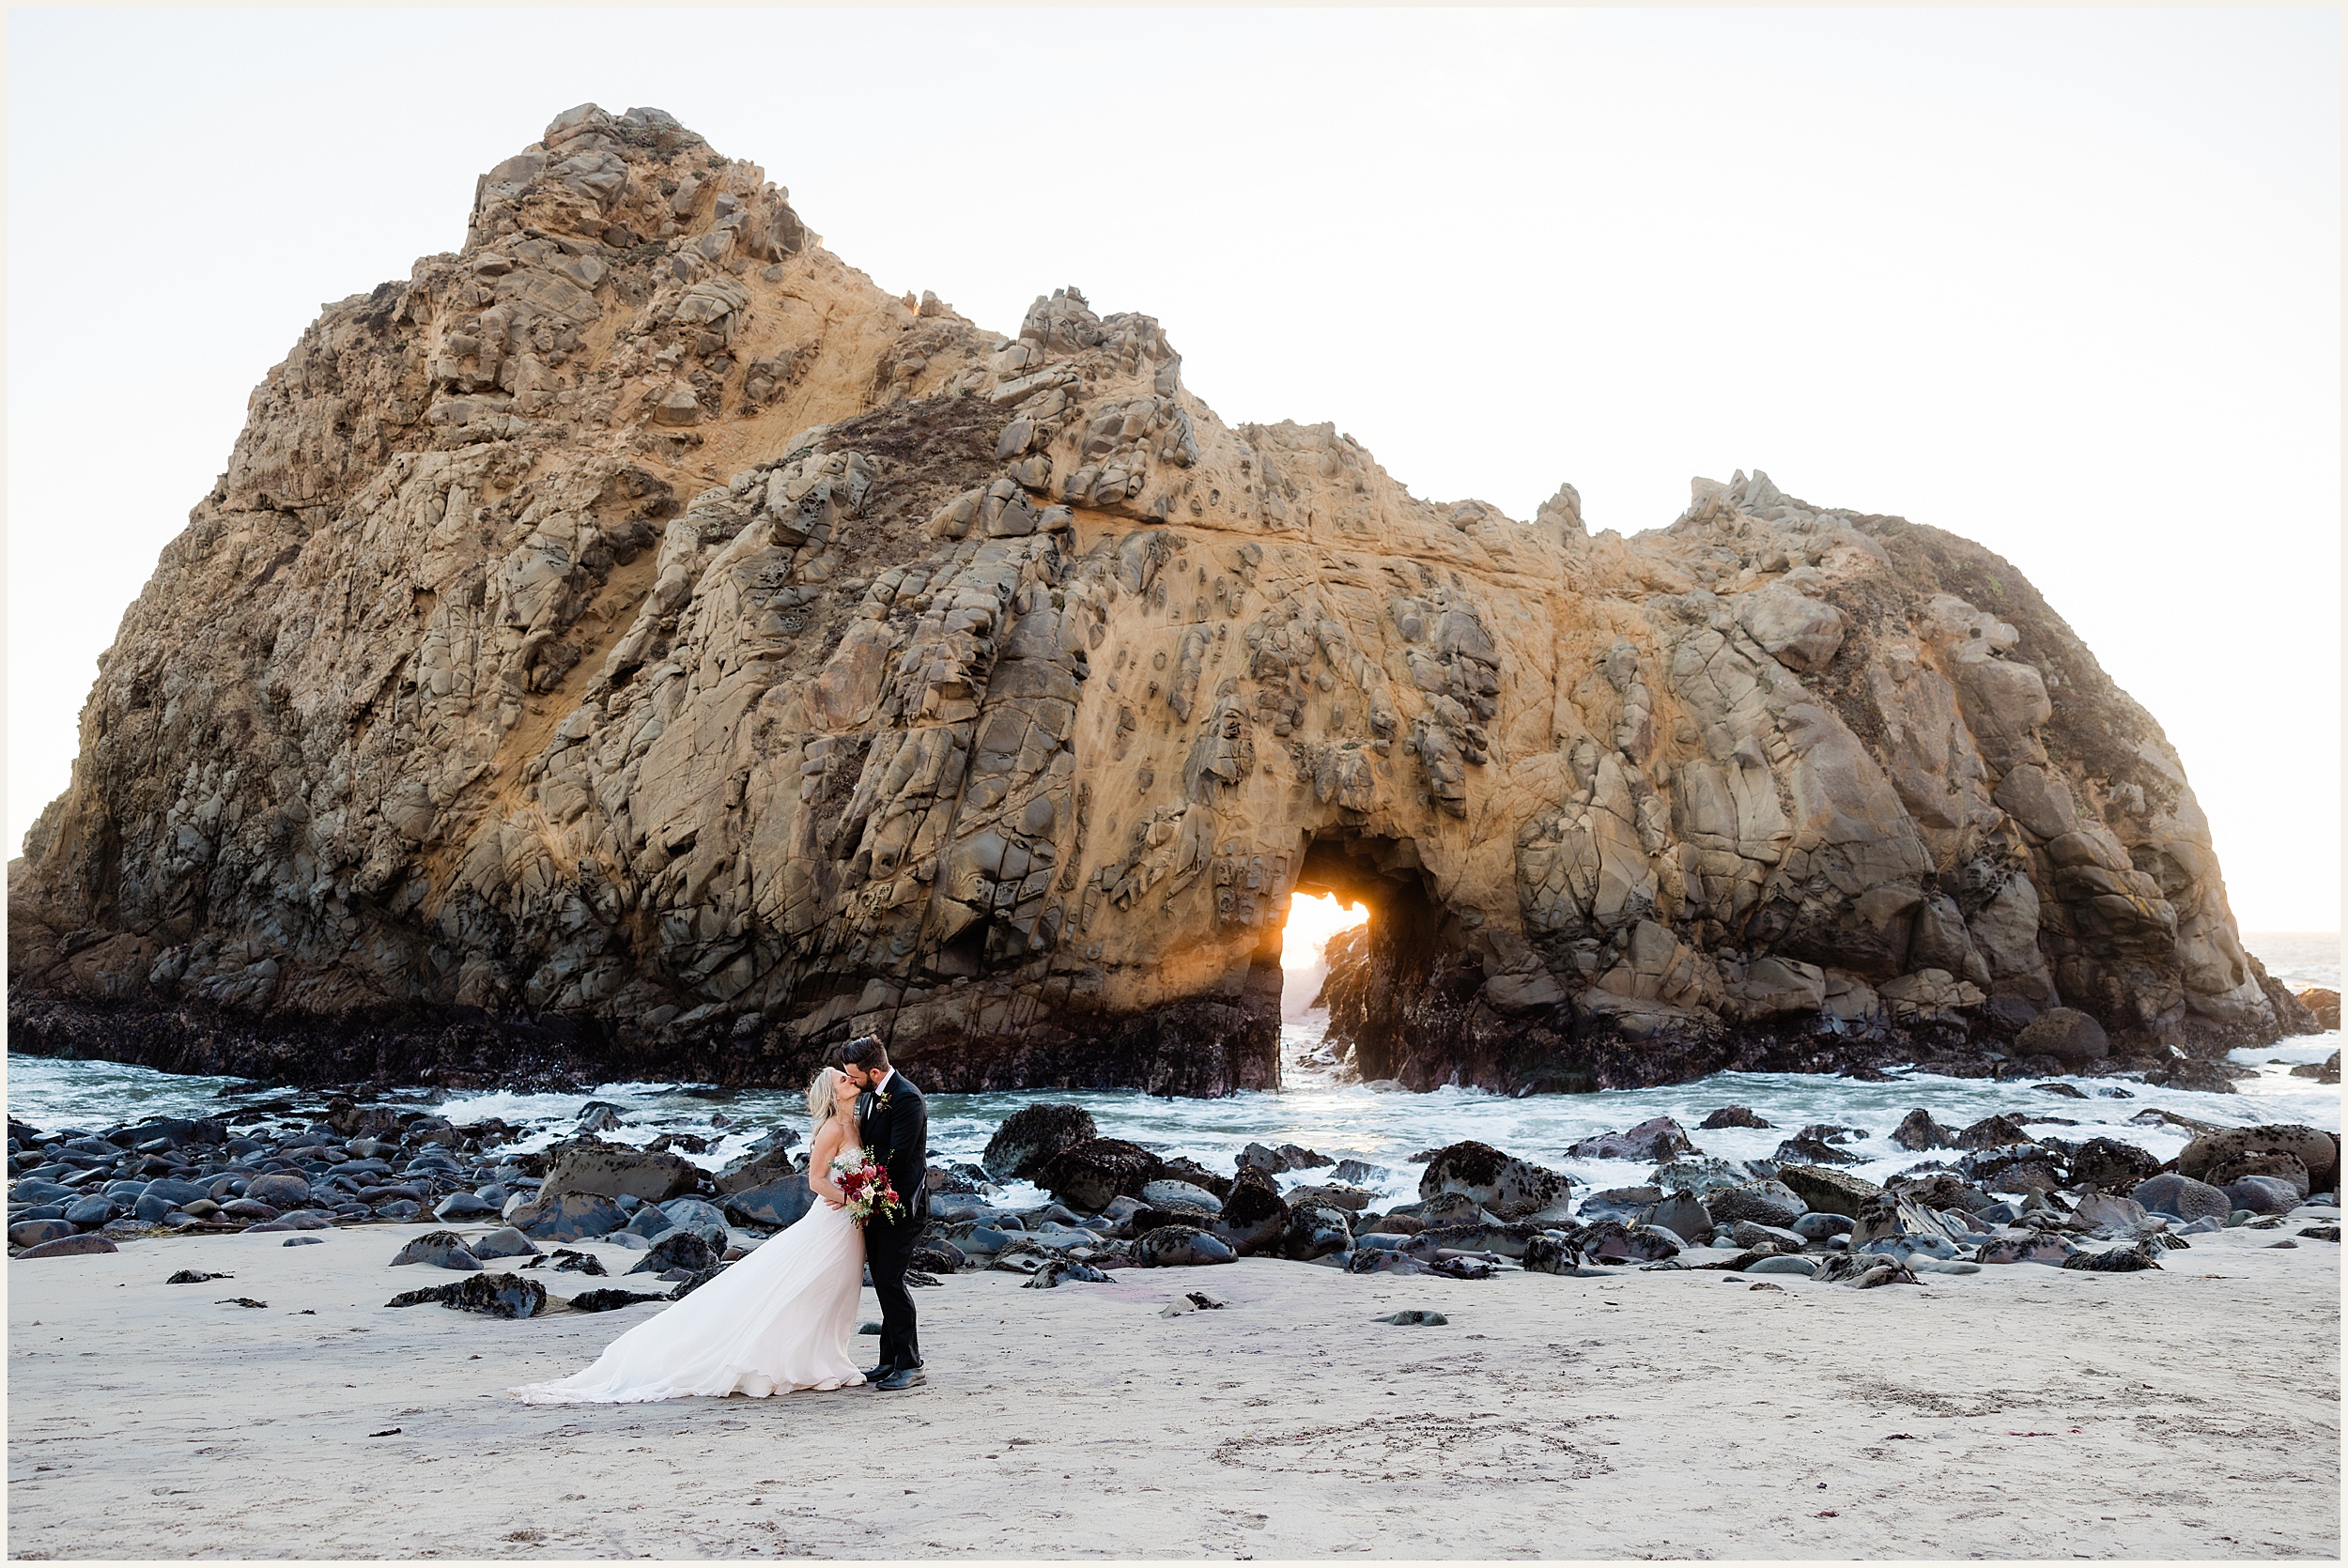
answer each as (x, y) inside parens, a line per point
(778, 1321)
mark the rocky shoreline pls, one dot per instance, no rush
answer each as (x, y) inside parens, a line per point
(1992, 1192)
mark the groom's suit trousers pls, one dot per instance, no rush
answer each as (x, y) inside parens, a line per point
(887, 1250)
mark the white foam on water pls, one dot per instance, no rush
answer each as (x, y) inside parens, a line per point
(1336, 1120)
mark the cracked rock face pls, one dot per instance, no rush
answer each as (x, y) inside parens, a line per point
(637, 644)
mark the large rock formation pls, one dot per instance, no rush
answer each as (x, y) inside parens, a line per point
(639, 644)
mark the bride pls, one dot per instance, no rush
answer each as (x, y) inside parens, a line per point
(778, 1321)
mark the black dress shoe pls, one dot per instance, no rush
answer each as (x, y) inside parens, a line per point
(903, 1378)
(875, 1374)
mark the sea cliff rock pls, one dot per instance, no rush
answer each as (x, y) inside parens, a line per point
(638, 645)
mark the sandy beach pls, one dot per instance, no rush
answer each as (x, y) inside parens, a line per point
(2022, 1412)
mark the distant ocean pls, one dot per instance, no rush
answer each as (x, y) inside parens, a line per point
(1341, 1120)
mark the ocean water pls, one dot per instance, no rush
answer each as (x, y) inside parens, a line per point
(1347, 1121)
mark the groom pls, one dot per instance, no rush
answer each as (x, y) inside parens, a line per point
(895, 1125)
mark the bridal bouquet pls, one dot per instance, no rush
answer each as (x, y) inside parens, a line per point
(868, 1190)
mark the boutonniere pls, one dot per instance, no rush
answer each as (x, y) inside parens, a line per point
(880, 1103)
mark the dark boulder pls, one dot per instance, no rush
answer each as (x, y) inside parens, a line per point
(69, 1246)
(778, 1205)
(1610, 1242)
(1091, 1175)
(1060, 1270)
(687, 1286)
(610, 1300)
(1508, 1188)
(1767, 1202)
(1142, 1221)
(1255, 1218)
(504, 1242)
(2316, 1150)
(1549, 1252)
(178, 1194)
(458, 1207)
(679, 1249)
(1806, 1150)
(1316, 1229)
(568, 1217)
(442, 1248)
(2120, 1260)
(2111, 1164)
(1658, 1138)
(494, 1295)
(279, 1190)
(1993, 1132)
(1619, 1203)
(1683, 1214)
(764, 1163)
(934, 1254)
(2026, 1167)
(32, 1233)
(94, 1211)
(300, 1218)
(1352, 1199)
(1176, 1245)
(2065, 1034)
(591, 1166)
(2180, 1197)
(2032, 1247)
(2262, 1194)
(2286, 1168)
(1029, 1138)
(1918, 1131)
(1828, 1191)
(1732, 1115)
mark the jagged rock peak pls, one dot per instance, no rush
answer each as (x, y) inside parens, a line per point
(637, 644)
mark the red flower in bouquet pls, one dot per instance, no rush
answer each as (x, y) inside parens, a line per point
(868, 1190)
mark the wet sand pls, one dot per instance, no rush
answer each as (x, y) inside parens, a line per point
(2022, 1412)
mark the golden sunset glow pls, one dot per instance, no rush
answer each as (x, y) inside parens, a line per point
(1312, 921)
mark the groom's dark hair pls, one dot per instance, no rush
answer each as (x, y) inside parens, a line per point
(866, 1051)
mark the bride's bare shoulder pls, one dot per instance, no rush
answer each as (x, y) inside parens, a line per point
(829, 1139)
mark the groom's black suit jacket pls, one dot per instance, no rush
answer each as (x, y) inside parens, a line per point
(896, 1127)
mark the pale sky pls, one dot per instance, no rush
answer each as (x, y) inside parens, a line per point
(2067, 282)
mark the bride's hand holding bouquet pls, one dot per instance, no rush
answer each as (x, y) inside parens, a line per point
(864, 1184)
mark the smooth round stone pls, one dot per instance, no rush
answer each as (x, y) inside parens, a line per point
(69, 1246)
(90, 1211)
(32, 1233)
(178, 1193)
(281, 1191)
(152, 1209)
(1785, 1263)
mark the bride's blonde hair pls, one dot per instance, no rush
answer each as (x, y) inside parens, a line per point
(823, 1095)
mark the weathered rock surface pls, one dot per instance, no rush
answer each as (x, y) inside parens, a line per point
(637, 645)
(1501, 1184)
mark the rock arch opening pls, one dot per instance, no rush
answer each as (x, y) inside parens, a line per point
(1316, 923)
(1385, 970)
